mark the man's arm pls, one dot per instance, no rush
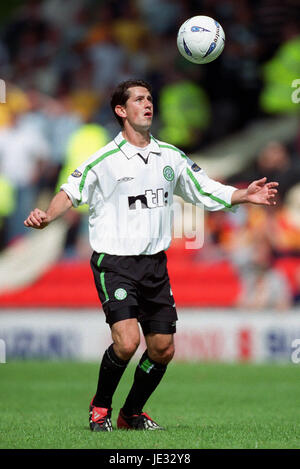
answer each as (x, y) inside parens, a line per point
(39, 219)
(258, 192)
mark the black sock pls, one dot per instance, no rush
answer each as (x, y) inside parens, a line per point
(111, 371)
(146, 378)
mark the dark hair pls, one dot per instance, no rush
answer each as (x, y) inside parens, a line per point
(121, 94)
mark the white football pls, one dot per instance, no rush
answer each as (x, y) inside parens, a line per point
(200, 39)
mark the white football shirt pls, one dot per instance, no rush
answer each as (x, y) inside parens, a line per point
(130, 194)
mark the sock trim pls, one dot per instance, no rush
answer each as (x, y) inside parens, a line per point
(146, 364)
(115, 359)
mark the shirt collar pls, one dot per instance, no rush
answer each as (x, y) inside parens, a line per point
(130, 150)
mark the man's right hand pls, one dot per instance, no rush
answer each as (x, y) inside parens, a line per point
(37, 219)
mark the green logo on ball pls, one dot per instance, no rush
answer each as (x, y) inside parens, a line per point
(168, 173)
(120, 294)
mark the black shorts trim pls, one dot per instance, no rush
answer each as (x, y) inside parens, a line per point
(126, 312)
(148, 326)
(158, 327)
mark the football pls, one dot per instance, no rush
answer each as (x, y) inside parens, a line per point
(200, 39)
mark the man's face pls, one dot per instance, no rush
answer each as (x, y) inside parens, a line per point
(138, 109)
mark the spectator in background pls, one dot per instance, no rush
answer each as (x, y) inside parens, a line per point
(219, 228)
(64, 121)
(129, 29)
(185, 111)
(275, 162)
(161, 16)
(4, 58)
(36, 117)
(62, 13)
(233, 81)
(24, 158)
(105, 53)
(54, 120)
(280, 226)
(83, 142)
(280, 72)
(7, 206)
(262, 286)
(296, 297)
(286, 230)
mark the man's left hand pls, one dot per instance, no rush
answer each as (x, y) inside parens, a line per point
(258, 192)
(261, 192)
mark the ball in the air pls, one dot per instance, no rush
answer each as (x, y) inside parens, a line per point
(200, 39)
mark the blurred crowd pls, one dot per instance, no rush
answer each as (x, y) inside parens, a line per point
(60, 62)
(262, 243)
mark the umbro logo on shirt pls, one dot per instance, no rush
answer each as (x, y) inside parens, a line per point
(151, 199)
(125, 179)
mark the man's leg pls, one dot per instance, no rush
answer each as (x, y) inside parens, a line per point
(126, 337)
(148, 374)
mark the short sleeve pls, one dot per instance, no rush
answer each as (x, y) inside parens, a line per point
(80, 186)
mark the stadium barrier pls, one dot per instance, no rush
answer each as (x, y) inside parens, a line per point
(202, 335)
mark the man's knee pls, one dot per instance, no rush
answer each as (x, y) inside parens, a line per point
(162, 352)
(126, 338)
(127, 348)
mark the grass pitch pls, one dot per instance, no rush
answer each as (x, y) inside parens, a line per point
(45, 405)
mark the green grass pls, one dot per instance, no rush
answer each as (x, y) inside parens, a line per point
(45, 405)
